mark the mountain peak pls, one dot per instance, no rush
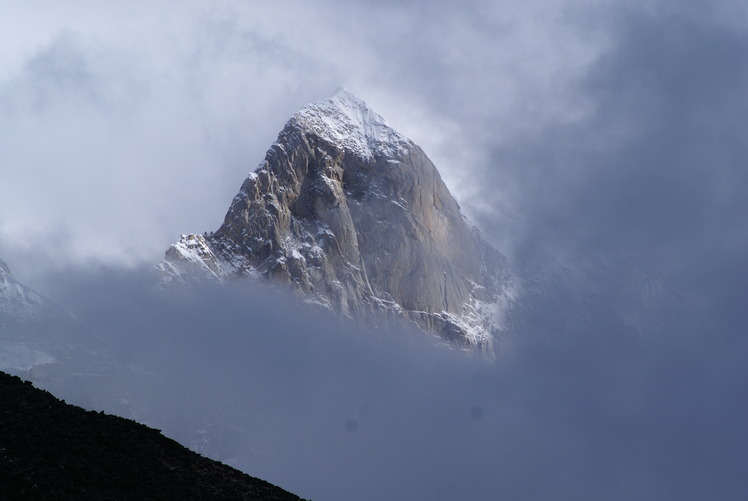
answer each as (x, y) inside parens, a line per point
(345, 95)
(346, 120)
(354, 217)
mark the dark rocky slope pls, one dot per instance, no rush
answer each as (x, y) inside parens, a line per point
(52, 450)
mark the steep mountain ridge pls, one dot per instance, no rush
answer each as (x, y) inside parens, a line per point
(33, 330)
(53, 450)
(20, 304)
(42, 341)
(354, 216)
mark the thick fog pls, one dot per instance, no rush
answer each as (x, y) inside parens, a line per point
(601, 146)
(330, 411)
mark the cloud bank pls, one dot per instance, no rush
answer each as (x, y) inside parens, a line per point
(332, 412)
(124, 127)
(600, 141)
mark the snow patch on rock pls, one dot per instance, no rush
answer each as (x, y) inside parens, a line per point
(346, 120)
(191, 258)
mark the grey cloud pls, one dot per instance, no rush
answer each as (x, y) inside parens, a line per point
(627, 150)
(656, 171)
(273, 387)
(169, 109)
(61, 69)
(133, 141)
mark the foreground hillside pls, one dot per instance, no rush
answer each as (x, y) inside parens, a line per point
(53, 450)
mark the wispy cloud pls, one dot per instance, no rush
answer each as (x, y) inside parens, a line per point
(592, 134)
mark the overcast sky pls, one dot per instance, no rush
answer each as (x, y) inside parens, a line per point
(126, 124)
(564, 125)
(571, 131)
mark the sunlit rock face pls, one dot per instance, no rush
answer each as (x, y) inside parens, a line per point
(355, 217)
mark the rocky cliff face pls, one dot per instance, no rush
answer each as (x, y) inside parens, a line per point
(354, 216)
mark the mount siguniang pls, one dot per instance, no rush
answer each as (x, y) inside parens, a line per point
(354, 216)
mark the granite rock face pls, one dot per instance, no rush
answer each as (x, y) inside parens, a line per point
(354, 216)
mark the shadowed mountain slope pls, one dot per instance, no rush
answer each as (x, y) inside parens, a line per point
(52, 450)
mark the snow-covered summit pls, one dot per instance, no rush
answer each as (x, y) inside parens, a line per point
(352, 216)
(348, 121)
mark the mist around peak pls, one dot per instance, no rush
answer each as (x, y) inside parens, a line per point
(289, 394)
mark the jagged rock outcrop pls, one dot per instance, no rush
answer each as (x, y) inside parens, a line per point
(354, 216)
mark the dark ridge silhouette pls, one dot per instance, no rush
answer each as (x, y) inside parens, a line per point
(53, 450)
